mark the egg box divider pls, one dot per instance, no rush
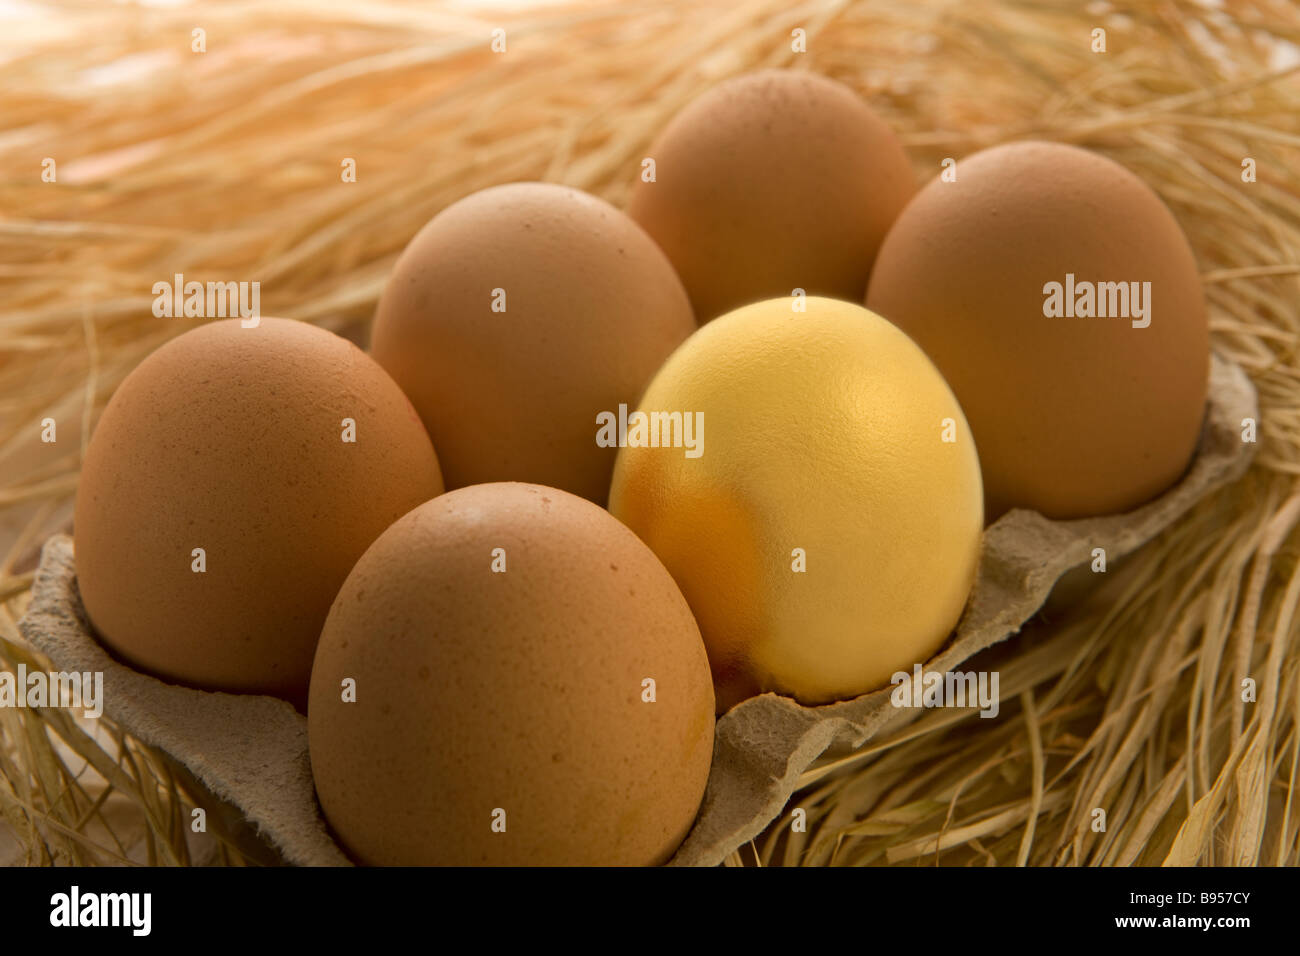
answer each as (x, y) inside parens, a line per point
(248, 753)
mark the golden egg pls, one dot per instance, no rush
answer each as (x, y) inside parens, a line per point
(825, 526)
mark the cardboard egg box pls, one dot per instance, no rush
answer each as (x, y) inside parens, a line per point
(248, 754)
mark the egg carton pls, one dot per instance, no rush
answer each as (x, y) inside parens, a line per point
(249, 753)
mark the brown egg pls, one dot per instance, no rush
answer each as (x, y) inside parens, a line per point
(500, 642)
(518, 315)
(1002, 277)
(769, 182)
(221, 505)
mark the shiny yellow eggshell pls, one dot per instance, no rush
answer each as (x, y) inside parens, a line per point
(823, 431)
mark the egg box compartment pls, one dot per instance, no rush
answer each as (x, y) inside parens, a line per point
(249, 753)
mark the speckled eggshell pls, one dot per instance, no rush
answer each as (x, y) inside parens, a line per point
(591, 309)
(769, 182)
(519, 690)
(1072, 416)
(230, 439)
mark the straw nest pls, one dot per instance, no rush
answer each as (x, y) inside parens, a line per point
(227, 164)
